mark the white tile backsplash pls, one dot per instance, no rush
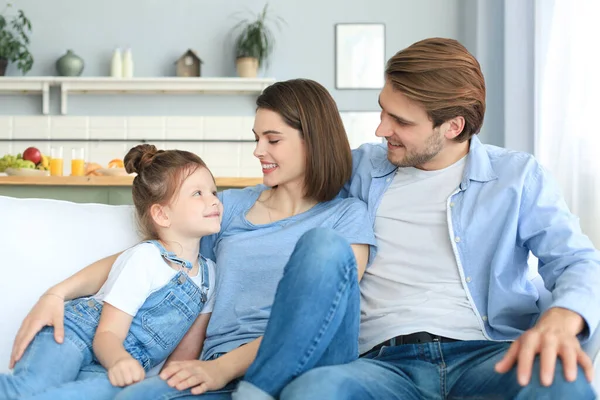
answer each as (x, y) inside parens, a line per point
(31, 127)
(224, 159)
(5, 148)
(227, 128)
(5, 127)
(194, 123)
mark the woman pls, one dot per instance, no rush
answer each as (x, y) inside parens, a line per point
(306, 159)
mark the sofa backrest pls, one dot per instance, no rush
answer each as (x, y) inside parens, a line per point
(44, 241)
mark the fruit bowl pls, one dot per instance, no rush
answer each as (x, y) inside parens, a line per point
(26, 172)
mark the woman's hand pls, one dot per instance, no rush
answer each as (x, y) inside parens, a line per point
(48, 311)
(201, 376)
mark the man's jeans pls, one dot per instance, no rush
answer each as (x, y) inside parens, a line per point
(456, 370)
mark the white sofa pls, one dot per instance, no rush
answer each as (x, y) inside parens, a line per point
(44, 241)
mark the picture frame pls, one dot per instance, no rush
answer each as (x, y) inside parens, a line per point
(359, 55)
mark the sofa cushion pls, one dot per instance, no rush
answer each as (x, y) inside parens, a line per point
(44, 241)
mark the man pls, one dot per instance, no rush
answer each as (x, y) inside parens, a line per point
(447, 310)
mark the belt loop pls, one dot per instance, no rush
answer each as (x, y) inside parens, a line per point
(393, 341)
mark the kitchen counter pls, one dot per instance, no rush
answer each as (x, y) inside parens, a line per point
(113, 190)
(106, 181)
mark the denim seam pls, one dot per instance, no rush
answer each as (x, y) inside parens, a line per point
(350, 265)
(442, 372)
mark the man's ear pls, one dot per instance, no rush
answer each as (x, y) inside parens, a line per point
(455, 127)
(160, 215)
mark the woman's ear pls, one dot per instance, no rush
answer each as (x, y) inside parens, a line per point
(160, 216)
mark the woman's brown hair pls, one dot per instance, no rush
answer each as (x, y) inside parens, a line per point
(442, 76)
(160, 174)
(307, 106)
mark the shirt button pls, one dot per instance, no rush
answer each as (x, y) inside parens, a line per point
(484, 318)
(468, 279)
(452, 204)
(388, 179)
(457, 239)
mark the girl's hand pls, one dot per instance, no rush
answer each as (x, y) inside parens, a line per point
(48, 311)
(201, 376)
(125, 372)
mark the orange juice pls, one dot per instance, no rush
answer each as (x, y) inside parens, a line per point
(56, 167)
(77, 167)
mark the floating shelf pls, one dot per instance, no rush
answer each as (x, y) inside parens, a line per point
(106, 85)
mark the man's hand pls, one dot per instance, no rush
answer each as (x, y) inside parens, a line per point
(201, 376)
(555, 334)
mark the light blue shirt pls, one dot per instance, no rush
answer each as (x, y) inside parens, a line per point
(506, 206)
(251, 258)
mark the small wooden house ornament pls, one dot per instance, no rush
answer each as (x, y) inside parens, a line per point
(188, 65)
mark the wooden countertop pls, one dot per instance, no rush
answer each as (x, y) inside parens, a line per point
(105, 181)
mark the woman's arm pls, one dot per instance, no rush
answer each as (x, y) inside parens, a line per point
(49, 310)
(361, 252)
(190, 346)
(202, 376)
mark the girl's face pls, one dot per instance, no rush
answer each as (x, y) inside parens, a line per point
(195, 210)
(279, 148)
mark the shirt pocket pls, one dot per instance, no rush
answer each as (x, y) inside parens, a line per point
(168, 321)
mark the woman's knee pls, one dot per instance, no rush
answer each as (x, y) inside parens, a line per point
(319, 383)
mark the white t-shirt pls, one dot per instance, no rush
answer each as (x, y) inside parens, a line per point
(140, 271)
(414, 284)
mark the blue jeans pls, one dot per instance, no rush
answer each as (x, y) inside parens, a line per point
(157, 389)
(37, 375)
(314, 318)
(457, 370)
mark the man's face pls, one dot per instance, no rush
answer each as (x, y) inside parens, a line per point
(411, 138)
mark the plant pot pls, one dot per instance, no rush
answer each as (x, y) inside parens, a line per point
(247, 67)
(3, 65)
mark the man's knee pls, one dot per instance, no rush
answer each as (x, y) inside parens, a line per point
(560, 388)
(319, 383)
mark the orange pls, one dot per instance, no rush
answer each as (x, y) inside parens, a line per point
(116, 163)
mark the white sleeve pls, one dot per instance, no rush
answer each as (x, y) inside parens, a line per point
(210, 301)
(130, 281)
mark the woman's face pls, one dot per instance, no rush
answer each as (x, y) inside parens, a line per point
(279, 148)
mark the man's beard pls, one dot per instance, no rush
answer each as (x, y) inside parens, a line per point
(433, 146)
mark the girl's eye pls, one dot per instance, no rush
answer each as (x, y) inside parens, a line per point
(198, 193)
(214, 193)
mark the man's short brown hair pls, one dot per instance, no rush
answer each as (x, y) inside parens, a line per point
(442, 76)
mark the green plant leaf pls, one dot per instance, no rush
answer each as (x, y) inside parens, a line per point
(14, 38)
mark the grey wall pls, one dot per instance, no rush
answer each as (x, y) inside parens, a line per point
(158, 31)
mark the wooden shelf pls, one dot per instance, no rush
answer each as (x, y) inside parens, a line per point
(105, 181)
(107, 85)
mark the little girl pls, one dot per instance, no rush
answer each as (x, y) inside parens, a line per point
(154, 292)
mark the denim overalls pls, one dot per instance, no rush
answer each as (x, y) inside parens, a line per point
(159, 324)
(155, 331)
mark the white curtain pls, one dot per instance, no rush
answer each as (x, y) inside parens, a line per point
(567, 115)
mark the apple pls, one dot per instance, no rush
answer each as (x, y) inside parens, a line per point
(32, 154)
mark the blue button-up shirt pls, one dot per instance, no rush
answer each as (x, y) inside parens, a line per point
(506, 206)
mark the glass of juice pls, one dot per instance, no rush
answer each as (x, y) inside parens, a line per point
(78, 162)
(56, 161)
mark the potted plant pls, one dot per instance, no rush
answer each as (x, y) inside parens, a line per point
(254, 43)
(14, 40)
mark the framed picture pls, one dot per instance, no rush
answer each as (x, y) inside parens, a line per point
(359, 56)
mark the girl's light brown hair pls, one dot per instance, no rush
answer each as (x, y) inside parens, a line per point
(307, 106)
(160, 174)
(442, 76)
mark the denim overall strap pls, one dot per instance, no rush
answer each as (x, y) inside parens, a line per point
(202, 264)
